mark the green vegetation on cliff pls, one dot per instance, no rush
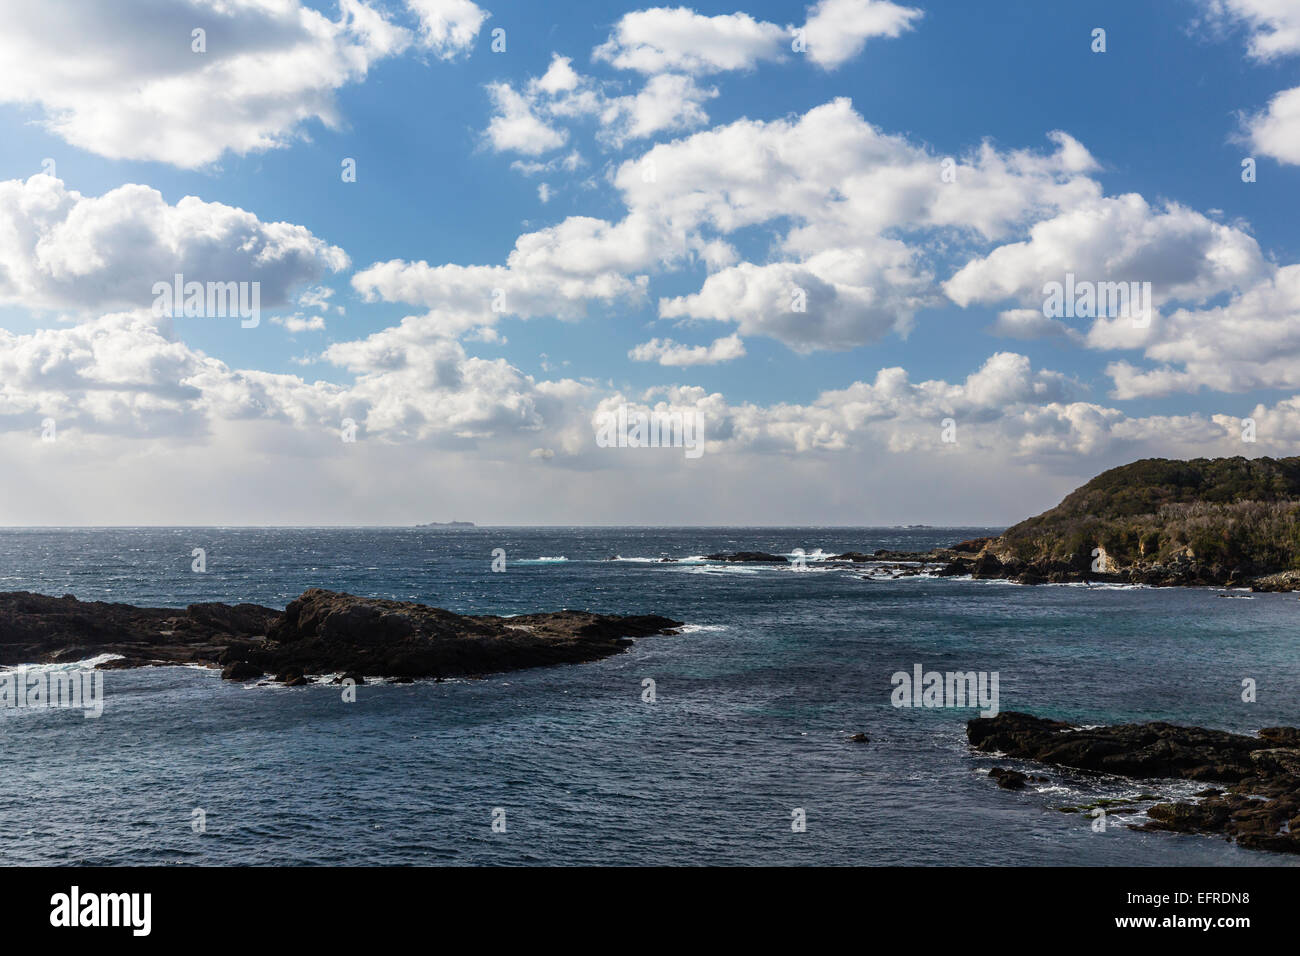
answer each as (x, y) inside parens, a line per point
(1230, 511)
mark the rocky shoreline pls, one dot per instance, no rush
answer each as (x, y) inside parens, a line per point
(320, 632)
(978, 559)
(1257, 802)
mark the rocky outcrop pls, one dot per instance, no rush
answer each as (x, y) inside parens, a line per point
(988, 565)
(320, 632)
(328, 632)
(747, 556)
(1259, 807)
(38, 629)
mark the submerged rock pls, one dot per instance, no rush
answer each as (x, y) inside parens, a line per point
(1009, 779)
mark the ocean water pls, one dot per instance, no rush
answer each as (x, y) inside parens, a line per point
(754, 705)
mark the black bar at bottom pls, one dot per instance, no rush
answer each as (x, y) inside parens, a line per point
(298, 904)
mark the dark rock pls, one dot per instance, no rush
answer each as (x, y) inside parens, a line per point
(1009, 779)
(986, 566)
(1261, 774)
(748, 556)
(241, 671)
(320, 632)
(860, 738)
(326, 631)
(36, 628)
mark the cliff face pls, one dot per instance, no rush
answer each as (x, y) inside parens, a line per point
(1206, 521)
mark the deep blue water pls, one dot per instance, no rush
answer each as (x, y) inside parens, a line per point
(754, 706)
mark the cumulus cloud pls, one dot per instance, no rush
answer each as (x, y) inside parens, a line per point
(671, 47)
(678, 39)
(1251, 342)
(1273, 32)
(300, 323)
(127, 374)
(526, 120)
(555, 272)
(516, 127)
(137, 87)
(837, 30)
(1031, 324)
(1005, 410)
(448, 27)
(1273, 25)
(837, 191)
(666, 39)
(1182, 253)
(1276, 131)
(62, 250)
(120, 385)
(839, 277)
(668, 352)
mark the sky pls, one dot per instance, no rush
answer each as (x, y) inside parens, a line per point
(822, 234)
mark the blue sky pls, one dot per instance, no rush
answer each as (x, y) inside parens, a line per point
(1183, 92)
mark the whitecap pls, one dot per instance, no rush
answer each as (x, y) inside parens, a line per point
(88, 663)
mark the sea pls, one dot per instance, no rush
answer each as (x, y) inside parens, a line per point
(727, 744)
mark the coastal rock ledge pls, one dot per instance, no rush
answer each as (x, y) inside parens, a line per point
(1258, 805)
(320, 632)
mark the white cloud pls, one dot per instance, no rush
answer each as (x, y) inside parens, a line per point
(135, 89)
(516, 127)
(831, 300)
(839, 193)
(1276, 131)
(1031, 324)
(1274, 24)
(552, 272)
(525, 120)
(448, 27)
(300, 323)
(677, 39)
(1252, 342)
(667, 352)
(837, 30)
(1183, 254)
(842, 190)
(665, 39)
(670, 101)
(135, 407)
(60, 249)
(1274, 32)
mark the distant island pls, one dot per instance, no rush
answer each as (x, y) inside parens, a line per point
(447, 524)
